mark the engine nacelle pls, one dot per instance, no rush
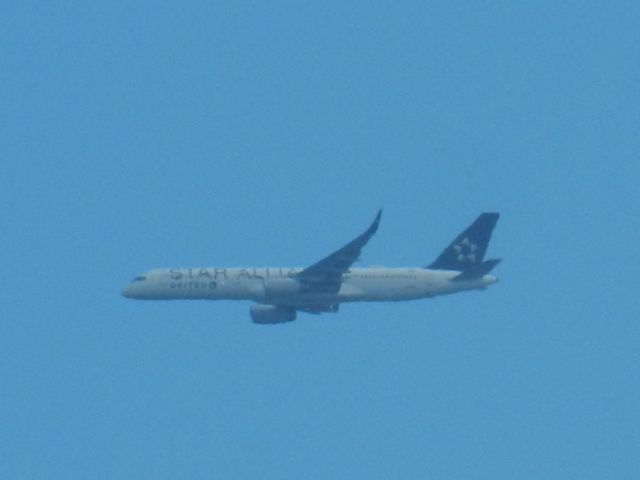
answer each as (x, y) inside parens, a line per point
(281, 287)
(265, 314)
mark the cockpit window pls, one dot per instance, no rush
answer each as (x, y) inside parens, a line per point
(139, 279)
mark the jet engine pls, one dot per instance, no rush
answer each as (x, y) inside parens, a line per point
(281, 287)
(265, 314)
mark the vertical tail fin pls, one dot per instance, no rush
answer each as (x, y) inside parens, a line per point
(467, 251)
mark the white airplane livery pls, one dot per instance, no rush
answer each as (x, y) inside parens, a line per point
(279, 293)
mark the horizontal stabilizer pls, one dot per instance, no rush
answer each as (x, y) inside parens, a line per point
(477, 271)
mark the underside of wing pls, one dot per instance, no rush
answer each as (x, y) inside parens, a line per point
(266, 314)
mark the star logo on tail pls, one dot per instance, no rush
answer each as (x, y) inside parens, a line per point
(465, 251)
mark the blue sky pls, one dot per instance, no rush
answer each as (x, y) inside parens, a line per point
(137, 135)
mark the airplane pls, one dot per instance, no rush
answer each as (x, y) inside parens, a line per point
(280, 293)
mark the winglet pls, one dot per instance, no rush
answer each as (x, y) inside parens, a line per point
(376, 223)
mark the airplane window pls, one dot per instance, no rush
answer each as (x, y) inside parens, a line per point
(139, 279)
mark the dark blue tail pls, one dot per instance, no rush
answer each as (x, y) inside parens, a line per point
(466, 252)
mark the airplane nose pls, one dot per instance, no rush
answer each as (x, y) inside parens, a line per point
(126, 292)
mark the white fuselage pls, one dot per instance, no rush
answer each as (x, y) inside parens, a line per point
(358, 285)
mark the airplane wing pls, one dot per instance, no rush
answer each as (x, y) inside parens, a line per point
(325, 276)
